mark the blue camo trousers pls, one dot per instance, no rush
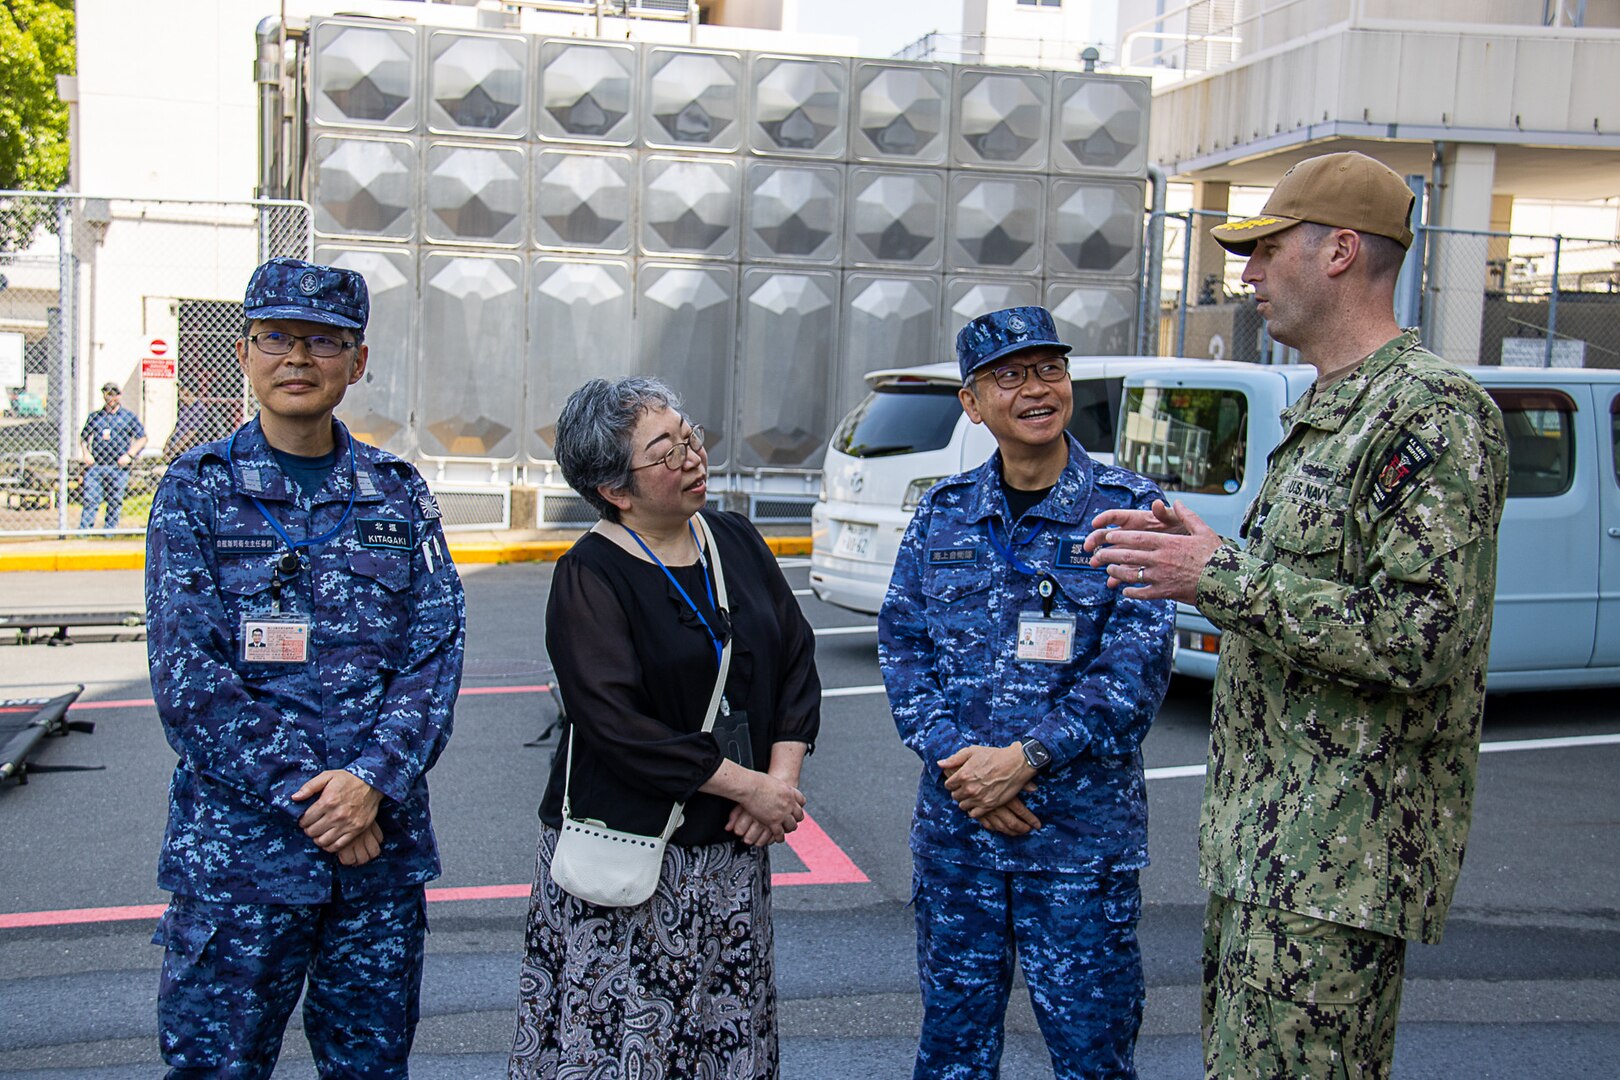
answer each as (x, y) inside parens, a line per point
(233, 972)
(1074, 935)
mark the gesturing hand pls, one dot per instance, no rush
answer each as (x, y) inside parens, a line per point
(1157, 555)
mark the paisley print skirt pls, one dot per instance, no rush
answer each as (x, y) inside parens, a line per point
(682, 987)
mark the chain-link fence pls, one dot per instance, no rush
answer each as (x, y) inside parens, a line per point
(118, 319)
(1483, 298)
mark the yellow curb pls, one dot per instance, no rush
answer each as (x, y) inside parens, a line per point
(464, 554)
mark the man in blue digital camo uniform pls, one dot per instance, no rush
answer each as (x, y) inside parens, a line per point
(1026, 686)
(110, 441)
(305, 631)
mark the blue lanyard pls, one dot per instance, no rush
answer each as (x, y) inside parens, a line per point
(1010, 551)
(308, 541)
(707, 584)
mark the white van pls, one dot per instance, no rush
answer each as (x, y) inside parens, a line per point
(1195, 430)
(907, 435)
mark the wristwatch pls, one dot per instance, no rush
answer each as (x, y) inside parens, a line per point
(1036, 755)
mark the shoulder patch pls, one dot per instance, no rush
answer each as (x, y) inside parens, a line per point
(1410, 457)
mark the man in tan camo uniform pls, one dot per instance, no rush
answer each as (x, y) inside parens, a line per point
(1356, 624)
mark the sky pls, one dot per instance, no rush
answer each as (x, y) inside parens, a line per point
(883, 26)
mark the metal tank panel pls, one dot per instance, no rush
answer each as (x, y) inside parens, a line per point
(475, 194)
(690, 206)
(789, 329)
(693, 99)
(1002, 119)
(478, 84)
(996, 222)
(966, 298)
(1094, 228)
(686, 334)
(377, 409)
(1096, 317)
(582, 200)
(587, 92)
(901, 113)
(1100, 124)
(364, 187)
(896, 218)
(365, 75)
(799, 107)
(580, 315)
(470, 403)
(795, 212)
(889, 320)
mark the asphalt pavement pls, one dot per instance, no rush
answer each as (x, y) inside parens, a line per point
(1525, 985)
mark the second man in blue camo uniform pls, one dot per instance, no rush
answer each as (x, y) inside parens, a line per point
(306, 643)
(1026, 686)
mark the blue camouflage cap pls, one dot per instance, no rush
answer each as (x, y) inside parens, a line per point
(1000, 333)
(286, 288)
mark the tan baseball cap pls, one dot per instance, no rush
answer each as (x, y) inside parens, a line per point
(1347, 191)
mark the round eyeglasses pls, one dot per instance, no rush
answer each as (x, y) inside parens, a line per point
(323, 346)
(674, 458)
(1012, 376)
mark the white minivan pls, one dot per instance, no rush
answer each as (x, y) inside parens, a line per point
(1196, 430)
(908, 434)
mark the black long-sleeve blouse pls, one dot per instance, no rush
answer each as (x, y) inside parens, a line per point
(636, 669)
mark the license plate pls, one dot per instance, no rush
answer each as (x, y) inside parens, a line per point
(854, 540)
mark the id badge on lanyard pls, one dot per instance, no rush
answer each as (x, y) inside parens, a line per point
(1045, 639)
(273, 639)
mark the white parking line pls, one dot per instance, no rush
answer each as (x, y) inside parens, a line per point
(1176, 771)
(840, 631)
(788, 564)
(804, 592)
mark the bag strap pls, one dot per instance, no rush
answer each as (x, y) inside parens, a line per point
(713, 558)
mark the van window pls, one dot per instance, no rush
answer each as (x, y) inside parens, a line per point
(1096, 403)
(1188, 439)
(1540, 427)
(901, 419)
(1614, 434)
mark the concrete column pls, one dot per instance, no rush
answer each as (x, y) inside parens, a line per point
(1457, 263)
(1501, 222)
(1208, 257)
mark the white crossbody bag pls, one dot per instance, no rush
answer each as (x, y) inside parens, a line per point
(620, 869)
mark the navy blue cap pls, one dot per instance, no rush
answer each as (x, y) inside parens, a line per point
(1000, 333)
(294, 289)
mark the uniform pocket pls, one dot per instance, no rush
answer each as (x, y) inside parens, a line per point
(391, 570)
(1309, 962)
(959, 619)
(183, 932)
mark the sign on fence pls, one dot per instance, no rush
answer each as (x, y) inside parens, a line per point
(1532, 352)
(11, 360)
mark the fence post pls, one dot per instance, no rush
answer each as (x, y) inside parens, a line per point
(1552, 304)
(66, 345)
(1186, 270)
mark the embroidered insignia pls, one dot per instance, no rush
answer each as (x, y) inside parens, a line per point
(1252, 223)
(1016, 324)
(384, 533)
(429, 508)
(1409, 457)
(952, 556)
(1072, 554)
(244, 545)
(309, 284)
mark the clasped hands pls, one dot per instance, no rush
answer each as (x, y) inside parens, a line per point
(343, 818)
(986, 782)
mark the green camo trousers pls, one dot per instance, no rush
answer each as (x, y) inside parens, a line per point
(1289, 997)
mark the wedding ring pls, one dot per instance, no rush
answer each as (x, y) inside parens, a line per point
(1141, 575)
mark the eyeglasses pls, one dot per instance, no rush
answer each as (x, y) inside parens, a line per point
(1012, 376)
(110, 392)
(674, 458)
(323, 346)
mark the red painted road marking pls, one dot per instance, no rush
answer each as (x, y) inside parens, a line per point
(825, 864)
(466, 691)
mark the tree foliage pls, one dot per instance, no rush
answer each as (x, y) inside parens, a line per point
(36, 45)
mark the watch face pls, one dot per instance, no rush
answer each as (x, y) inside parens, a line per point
(1036, 754)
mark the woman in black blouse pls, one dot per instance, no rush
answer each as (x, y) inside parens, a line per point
(683, 984)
